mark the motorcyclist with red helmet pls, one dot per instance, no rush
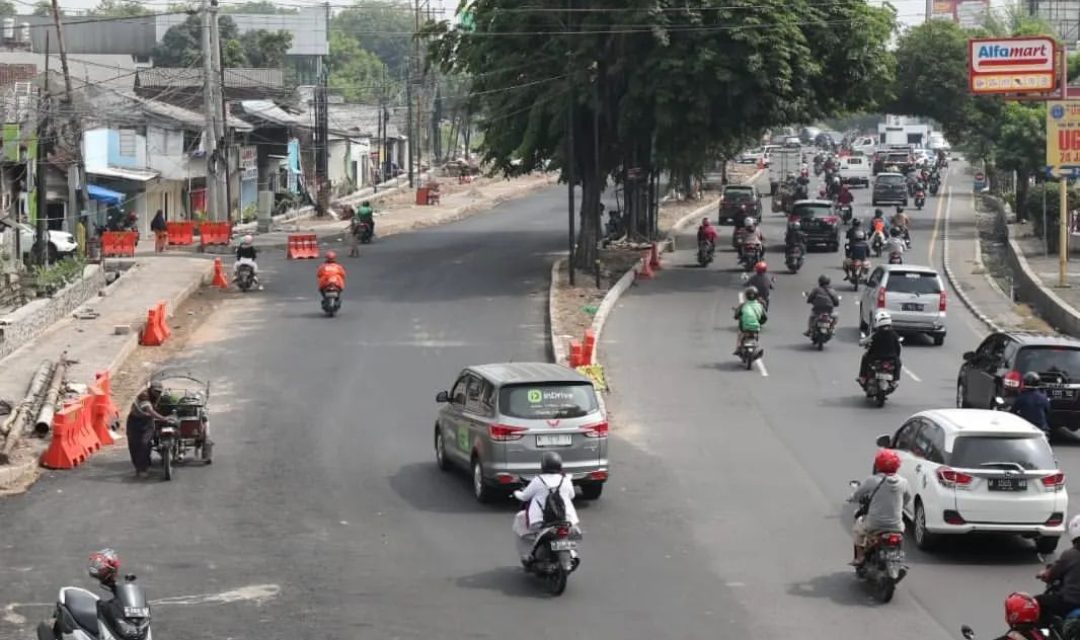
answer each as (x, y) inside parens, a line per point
(1022, 614)
(762, 281)
(1063, 599)
(331, 273)
(845, 197)
(883, 496)
(706, 232)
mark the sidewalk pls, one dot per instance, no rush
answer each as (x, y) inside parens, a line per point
(1036, 283)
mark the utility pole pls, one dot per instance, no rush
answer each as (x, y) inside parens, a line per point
(222, 158)
(226, 140)
(409, 118)
(76, 174)
(419, 128)
(378, 138)
(570, 144)
(209, 16)
(322, 144)
(42, 147)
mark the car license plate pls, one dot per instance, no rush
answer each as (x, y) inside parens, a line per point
(911, 306)
(560, 440)
(1061, 393)
(563, 545)
(1008, 484)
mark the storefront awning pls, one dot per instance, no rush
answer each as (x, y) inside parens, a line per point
(101, 194)
(138, 175)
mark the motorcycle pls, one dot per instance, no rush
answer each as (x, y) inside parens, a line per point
(705, 252)
(857, 272)
(920, 199)
(896, 258)
(167, 443)
(749, 351)
(245, 276)
(366, 234)
(882, 381)
(846, 213)
(883, 561)
(81, 615)
(793, 258)
(331, 300)
(935, 186)
(824, 327)
(877, 243)
(750, 255)
(554, 555)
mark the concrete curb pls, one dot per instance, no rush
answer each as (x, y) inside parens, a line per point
(308, 211)
(557, 343)
(1050, 307)
(953, 279)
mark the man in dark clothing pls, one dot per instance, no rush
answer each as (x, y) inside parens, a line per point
(1065, 571)
(763, 282)
(883, 344)
(1032, 404)
(140, 427)
(160, 228)
(821, 300)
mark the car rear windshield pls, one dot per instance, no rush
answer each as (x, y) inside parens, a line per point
(1047, 359)
(897, 157)
(854, 161)
(919, 282)
(974, 452)
(547, 401)
(738, 194)
(890, 179)
(812, 210)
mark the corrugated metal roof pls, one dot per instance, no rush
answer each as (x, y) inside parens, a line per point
(114, 71)
(125, 105)
(267, 110)
(234, 78)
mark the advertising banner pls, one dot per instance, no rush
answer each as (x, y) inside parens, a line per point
(1012, 65)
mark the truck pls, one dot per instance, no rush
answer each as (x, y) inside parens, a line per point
(913, 134)
(782, 162)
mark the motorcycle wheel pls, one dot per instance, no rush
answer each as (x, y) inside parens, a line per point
(244, 284)
(855, 283)
(556, 581)
(748, 361)
(820, 344)
(879, 399)
(884, 590)
(167, 460)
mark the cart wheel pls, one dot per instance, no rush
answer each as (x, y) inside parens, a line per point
(208, 452)
(167, 461)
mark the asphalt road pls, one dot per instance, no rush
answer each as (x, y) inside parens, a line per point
(323, 514)
(756, 466)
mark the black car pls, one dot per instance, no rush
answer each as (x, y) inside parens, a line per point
(996, 370)
(737, 203)
(819, 221)
(890, 188)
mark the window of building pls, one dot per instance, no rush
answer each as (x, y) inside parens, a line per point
(127, 142)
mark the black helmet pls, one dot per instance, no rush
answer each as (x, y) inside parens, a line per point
(823, 280)
(551, 462)
(856, 222)
(751, 293)
(895, 232)
(1031, 379)
(878, 213)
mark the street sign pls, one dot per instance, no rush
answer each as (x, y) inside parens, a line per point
(1062, 135)
(979, 183)
(1012, 65)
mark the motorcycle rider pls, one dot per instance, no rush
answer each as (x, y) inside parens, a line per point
(246, 253)
(762, 281)
(856, 227)
(1032, 404)
(751, 235)
(846, 197)
(882, 344)
(886, 495)
(858, 249)
(901, 221)
(1022, 616)
(879, 226)
(751, 315)
(530, 520)
(706, 232)
(1066, 572)
(331, 273)
(795, 237)
(895, 243)
(366, 215)
(140, 426)
(822, 299)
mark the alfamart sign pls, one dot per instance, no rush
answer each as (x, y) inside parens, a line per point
(1012, 65)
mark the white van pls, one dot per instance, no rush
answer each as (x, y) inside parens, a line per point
(855, 171)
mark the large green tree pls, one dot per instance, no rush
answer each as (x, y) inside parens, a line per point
(383, 28)
(7, 8)
(658, 83)
(266, 49)
(181, 45)
(260, 6)
(355, 71)
(119, 9)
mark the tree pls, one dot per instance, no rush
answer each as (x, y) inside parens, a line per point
(1021, 146)
(119, 9)
(382, 28)
(658, 83)
(266, 49)
(355, 71)
(43, 8)
(261, 6)
(6, 8)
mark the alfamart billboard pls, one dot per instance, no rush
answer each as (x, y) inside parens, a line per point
(1012, 65)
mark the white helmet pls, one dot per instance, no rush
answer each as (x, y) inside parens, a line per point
(882, 319)
(1074, 528)
(248, 239)
(749, 222)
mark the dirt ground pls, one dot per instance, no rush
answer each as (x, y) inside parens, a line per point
(447, 186)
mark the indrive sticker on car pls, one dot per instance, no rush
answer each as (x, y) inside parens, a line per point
(535, 396)
(463, 438)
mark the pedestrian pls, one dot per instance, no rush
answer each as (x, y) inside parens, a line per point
(160, 229)
(140, 427)
(354, 232)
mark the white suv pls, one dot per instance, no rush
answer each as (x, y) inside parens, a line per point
(979, 471)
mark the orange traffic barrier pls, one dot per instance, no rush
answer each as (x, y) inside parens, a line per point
(215, 233)
(180, 233)
(576, 354)
(654, 257)
(119, 244)
(588, 347)
(156, 331)
(100, 419)
(103, 380)
(219, 275)
(302, 247)
(66, 451)
(422, 195)
(87, 437)
(645, 272)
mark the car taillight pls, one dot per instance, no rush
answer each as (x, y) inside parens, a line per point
(599, 430)
(1055, 481)
(952, 517)
(893, 539)
(503, 433)
(562, 532)
(1055, 519)
(951, 478)
(1013, 380)
(598, 475)
(831, 219)
(942, 301)
(881, 298)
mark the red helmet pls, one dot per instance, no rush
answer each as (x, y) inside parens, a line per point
(104, 565)
(761, 267)
(886, 461)
(1021, 609)
(331, 256)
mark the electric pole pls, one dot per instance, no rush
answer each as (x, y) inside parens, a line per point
(77, 173)
(418, 130)
(41, 150)
(210, 55)
(322, 143)
(409, 118)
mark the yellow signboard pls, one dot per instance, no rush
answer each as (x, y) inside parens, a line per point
(1013, 83)
(1063, 134)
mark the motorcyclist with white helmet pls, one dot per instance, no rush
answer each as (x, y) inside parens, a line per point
(530, 520)
(246, 253)
(1066, 572)
(882, 344)
(750, 234)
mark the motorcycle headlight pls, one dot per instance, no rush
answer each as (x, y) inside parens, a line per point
(132, 628)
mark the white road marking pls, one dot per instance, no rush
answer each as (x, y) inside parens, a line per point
(256, 593)
(760, 364)
(912, 375)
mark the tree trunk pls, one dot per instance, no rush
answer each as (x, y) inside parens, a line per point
(586, 253)
(1022, 180)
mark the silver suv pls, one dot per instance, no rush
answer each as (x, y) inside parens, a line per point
(498, 419)
(914, 296)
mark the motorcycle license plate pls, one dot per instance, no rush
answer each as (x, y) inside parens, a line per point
(824, 326)
(136, 612)
(911, 306)
(557, 440)
(563, 545)
(884, 376)
(1007, 484)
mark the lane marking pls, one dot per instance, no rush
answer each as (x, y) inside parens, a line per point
(937, 225)
(256, 593)
(760, 364)
(911, 374)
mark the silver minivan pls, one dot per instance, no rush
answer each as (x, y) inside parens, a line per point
(498, 419)
(914, 296)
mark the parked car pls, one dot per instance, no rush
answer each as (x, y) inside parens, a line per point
(996, 370)
(890, 188)
(819, 221)
(751, 156)
(855, 171)
(61, 243)
(498, 419)
(738, 202)
(914, 296)
(979, 471)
